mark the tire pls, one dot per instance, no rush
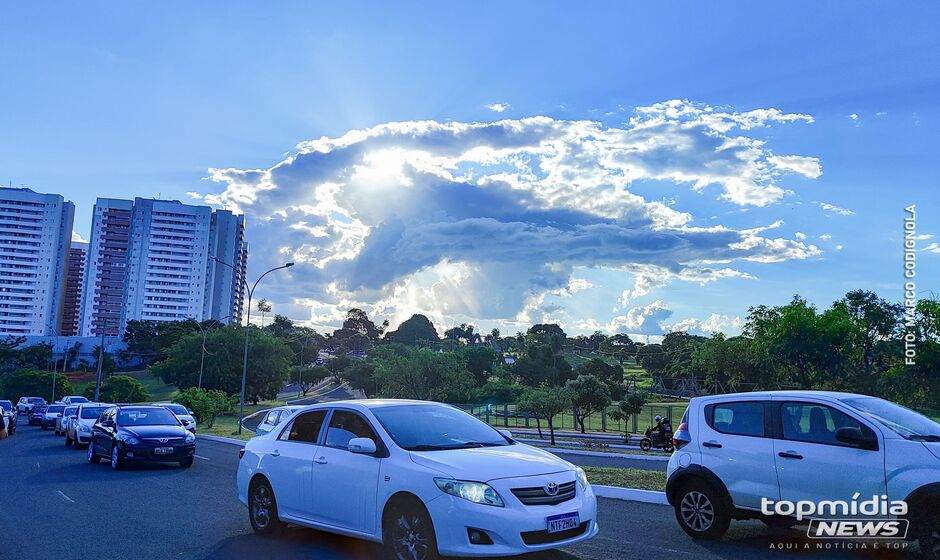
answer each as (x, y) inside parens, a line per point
(646, 444)
(701, 512)
(929, 538)
(116, 462)
(668, 448)
(408, 533)
(262, 509)
(68, 440)
(186, 463)
(92, 456)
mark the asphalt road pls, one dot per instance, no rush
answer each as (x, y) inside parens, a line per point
(57, 506)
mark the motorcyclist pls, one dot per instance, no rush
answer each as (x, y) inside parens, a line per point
(660, 429)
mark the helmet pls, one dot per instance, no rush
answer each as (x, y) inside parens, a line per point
(659, 418)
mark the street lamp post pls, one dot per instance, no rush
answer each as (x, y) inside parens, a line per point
(202, 357)
(251, 291)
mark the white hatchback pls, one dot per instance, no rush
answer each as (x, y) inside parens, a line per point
(421, 478)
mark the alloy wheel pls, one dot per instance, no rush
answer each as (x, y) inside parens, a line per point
(697, 511)
(115, 458)
(91, 451)
(261, 506)
(410, 537)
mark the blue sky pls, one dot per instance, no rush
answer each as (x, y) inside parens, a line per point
(129, 99)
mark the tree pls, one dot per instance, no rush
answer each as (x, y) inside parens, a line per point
(10, 357)
(421, 373)
(206, 404)
(464, 333)
(264, 306)
(545, 403)
(588, 396)
(33, 383)
(107, 361)
(480, 361)
(37, 356)
(149, 340)
(629, 407)
(610, 375)
(498, 391)
(358, 321)
(620, 346)
(875, 321)
(540, 365)
(414, 331)
(120, 389)
(361, 376)
(269, 361)
(280, 327)
(308, 376)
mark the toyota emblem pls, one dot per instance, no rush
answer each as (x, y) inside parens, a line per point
(164, 440)
(551, 489)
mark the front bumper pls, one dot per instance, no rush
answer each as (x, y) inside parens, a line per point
(514, 528)
(145, 453)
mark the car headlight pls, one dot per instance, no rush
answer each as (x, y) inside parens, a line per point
(582, 478)
(128, 439)
(475, 492)
(190, 438)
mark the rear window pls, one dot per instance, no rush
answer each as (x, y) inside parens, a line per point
(55, 408)
(737, 418)
(177, 409)
(89, 412)
(69, 410)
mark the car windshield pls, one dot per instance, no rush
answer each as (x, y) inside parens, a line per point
(177, 409)
(36, 400)
(55, 408)
(92, 411)
(147, 417)
(433, 428)
(69, 410)
(6, 405)
(904, 421)
(78, 399)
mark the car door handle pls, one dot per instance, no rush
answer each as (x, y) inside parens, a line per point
(790, 455)
(275, 453)
(320, 460)
(713, 444)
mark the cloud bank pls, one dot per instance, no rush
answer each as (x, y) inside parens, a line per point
(482, 220)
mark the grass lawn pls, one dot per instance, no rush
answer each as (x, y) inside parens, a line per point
(226, 425)
(627, 478)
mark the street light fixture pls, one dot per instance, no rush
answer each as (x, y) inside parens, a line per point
(251, 291)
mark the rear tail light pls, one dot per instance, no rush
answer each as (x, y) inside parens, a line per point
(682, 436)
(241, 453)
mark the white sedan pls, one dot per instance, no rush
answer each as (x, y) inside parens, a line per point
(421, 478)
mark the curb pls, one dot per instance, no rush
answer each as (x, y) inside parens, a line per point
(219, 439)
(611, 492)
(585, 453)
(630, 494)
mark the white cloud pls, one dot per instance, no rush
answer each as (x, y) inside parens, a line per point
(839, 247)
(800, 235)
(644, 320)
(498, 107)
(482, 220)
(932, 248)
(826, 236)
(834, 209)
(76, 238)
(714, 323)
(807, 166)
(194, 195)
(855, 119)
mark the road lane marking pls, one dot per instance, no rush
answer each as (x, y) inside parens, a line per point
(64, 497)
(201, 457)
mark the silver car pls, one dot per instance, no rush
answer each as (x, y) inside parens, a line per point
(61, 423)
(184, 414)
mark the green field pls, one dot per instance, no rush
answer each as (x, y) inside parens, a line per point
(627, 478)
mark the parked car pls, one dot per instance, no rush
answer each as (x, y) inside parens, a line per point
(36, 414)
(80, 425)
(422, 478)
(61, 422)
(51, 415)
(8, 415)
(271, 418)
(184, 414)
(733, 451)
(141, 433)
(74, 399)
(25, 404)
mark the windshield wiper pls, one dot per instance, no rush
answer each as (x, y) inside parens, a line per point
(924, 437)
(461, 445)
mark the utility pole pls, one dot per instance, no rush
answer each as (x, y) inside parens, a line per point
(100, 363)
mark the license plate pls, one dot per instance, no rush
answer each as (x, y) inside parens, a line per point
(163, 450)
(563, 522)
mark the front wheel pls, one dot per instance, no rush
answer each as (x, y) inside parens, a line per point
(408, 534)
(68, 440)
(646, 444)
(262, 509)
(700, 512)
(116, 462)
(186, 463)
(667, 447)
(92, 456)
(929, 539)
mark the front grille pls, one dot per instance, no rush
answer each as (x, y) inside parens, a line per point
(537, 496)
(168, 443)
(532, 538)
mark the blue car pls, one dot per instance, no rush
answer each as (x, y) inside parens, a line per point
(36, 414)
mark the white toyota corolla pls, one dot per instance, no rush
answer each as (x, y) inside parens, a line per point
(421, 478)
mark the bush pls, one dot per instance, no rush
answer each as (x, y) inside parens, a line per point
(206, 404)
(34, 383)
(119, 389)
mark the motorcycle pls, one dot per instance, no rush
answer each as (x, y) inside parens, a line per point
(655, 439)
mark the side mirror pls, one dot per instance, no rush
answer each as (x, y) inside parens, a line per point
(855, 437)
(73, 417)
(506, 434)
(361, 446)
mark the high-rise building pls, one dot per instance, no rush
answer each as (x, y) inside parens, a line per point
(35, 236)
(106, 267)
(70, 325)
(163, 262)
